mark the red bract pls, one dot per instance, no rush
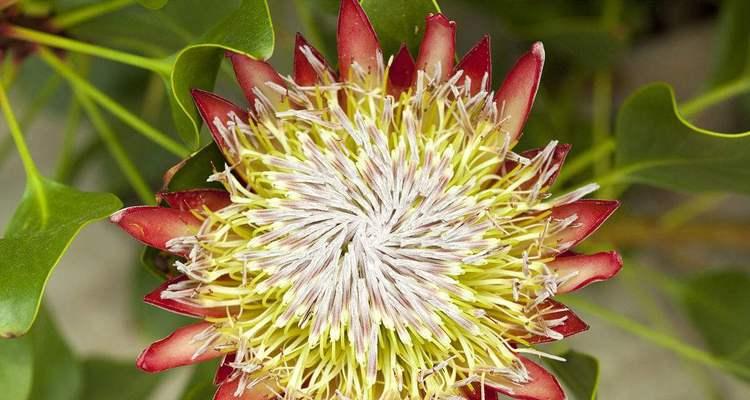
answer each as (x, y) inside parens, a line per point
(516, 95)
(186, 213)
(477, 65)
(178, 349)
(438, 47)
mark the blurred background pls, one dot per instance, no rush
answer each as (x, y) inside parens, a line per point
(685, 279)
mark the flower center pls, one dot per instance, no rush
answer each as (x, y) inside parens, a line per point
(376, 245)
(365, 236)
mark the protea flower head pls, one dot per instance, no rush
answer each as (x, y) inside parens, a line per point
(377, 236)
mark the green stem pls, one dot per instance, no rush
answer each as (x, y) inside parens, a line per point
(87, 12)
(41, 97)
(658, 338)
(60, 42)
(32, 173)
(714, 96)
(112, 106)
(9, 71)
(109, 137)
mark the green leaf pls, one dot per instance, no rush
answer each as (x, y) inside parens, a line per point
(248, 30)
(399, 21)
(197, 168)
(655, 145)
(57, 373)
(16, 368)
(49, 216)
(715, 303)
(153, 4)
(733, 49)
(579, 373)
(115, 380)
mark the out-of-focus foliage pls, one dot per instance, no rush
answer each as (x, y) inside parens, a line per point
(40, 365)
(734, 43)
(714, 301)
(115, 380)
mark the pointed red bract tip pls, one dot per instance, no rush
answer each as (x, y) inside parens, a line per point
(590, 215)
(571, 325)
(402, 72)
(155, 226)
(196, 199)
(558, 158)
(303, 72)
(516, 95)
(260, 391)
(438, 47)
(541, 386)
(253, 74)
(225, 369)
(356, 39)
(154, 298)
(176, 350)
(212, 107)
(585, 269)
(476, 64)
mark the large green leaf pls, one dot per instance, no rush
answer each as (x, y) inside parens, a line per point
(579, 373)
(16, 366)
(717, 304)
(399, 21)
(248, 30)
(45, 223)
(655, 145)
(115, 380)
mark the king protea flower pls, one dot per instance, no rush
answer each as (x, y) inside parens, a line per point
(377, 236)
